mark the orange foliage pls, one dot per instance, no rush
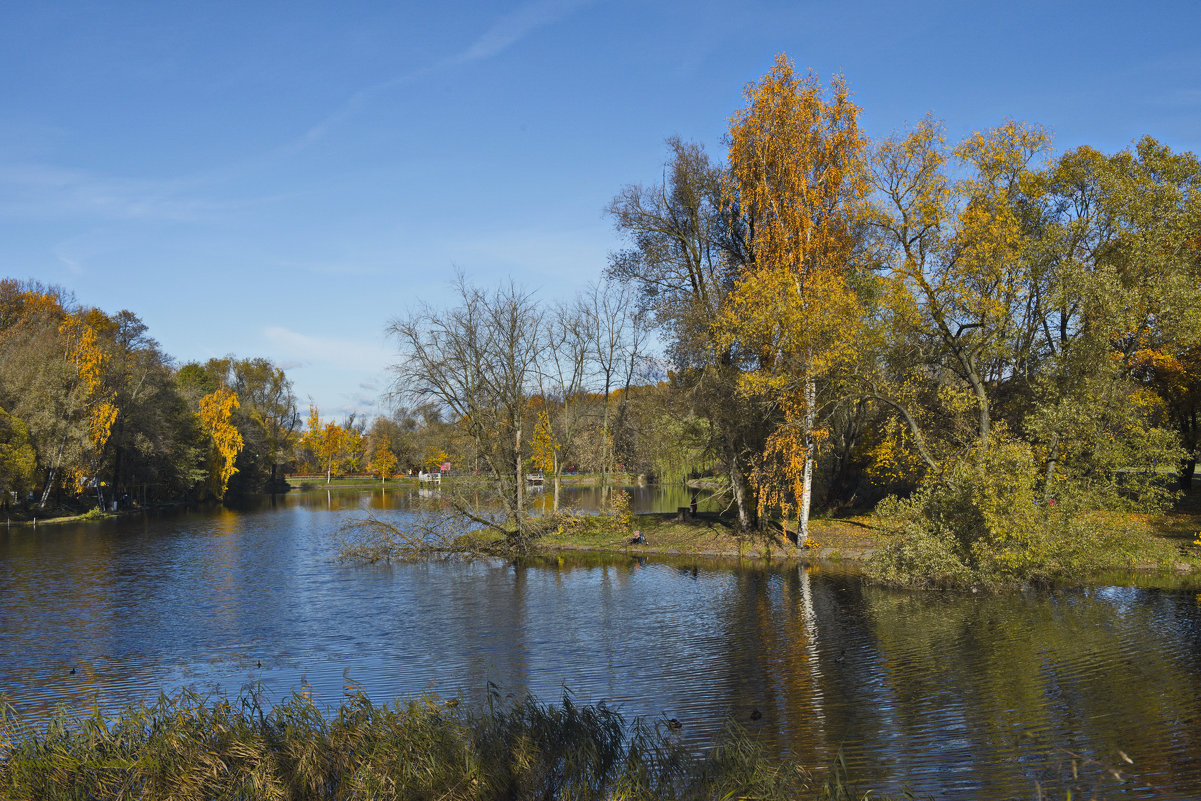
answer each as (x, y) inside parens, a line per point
(798, 171)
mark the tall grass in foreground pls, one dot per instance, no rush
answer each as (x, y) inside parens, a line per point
(190, 747)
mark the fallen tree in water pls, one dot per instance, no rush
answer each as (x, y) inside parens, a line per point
(455, 527)
(426, 535)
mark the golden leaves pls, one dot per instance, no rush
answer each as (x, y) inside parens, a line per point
(216, 415)
(90, 360)
(383, 461)
(544, 446)
(798, 170)
(100, 424)
(797, 165)
(332, 444)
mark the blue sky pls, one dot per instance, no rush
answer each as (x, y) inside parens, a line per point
(282, 179)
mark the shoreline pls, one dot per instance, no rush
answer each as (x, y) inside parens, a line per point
(848, 543)
(711, 535)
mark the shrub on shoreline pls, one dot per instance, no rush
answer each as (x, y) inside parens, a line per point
(985, 521)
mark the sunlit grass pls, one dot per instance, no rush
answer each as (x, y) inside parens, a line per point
(190, 747)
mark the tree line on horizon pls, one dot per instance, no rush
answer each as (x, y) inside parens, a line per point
(982, 327)
(92, 411)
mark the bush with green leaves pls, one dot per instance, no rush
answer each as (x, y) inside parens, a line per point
(988, 520)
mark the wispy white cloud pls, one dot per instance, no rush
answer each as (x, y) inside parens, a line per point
(38, 191)
(513, 27)
(503, 34)
(344, 267)
(348, 354)
(69, 259)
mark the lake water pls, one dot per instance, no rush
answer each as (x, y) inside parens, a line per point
(952, 695)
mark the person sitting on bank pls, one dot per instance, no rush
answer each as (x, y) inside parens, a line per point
(638, 538)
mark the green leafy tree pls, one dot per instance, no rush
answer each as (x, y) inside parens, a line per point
(18, 462)
(272, 421)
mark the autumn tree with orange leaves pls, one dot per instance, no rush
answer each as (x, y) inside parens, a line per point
(798, 170)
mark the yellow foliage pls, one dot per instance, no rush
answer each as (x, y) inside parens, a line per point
(544, 445)
(434, 457)
(100, 425)
(383, 462)
(333, 444)
(90, 360)
(216, 415)
(798, 172)
(893, 458)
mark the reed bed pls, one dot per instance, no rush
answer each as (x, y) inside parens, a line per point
(192, 747)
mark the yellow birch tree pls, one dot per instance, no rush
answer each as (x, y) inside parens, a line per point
(329, 442)
(382, 461)
(798, 171)
(216, 415)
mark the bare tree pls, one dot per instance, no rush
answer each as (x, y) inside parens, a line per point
(615, 340)
(561, 379)
(479, 361)
(686, 252)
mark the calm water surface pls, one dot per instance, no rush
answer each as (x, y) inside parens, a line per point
(954, 696)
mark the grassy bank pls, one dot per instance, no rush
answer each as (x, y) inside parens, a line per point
(1171, 543)
(50, 517)
(714, 535)
(188, 747)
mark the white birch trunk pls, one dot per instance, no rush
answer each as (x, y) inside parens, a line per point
(810, 447)
(558, 471)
